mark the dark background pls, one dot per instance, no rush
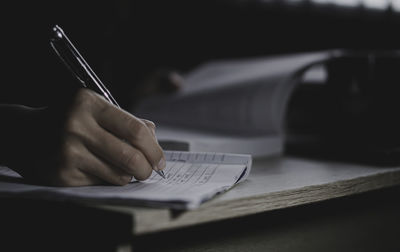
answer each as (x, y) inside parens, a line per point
(124, 41)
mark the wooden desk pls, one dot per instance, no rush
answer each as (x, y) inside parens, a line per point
(286, 204)
(273, 184)
(364, 222)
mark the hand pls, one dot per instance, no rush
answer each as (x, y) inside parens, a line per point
(99, 143)
(160, 81)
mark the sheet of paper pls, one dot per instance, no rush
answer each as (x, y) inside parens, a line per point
(191, 178)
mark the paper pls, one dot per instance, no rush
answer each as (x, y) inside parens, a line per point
(245, 97)
(191, 178)
(195, 140)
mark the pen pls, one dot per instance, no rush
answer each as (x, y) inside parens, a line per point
(74, 61)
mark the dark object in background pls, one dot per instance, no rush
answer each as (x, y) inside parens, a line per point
(354, 116)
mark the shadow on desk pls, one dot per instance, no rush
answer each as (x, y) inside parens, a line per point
(38, 225)
(365, 222)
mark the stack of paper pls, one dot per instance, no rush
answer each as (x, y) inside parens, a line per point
(191, 178)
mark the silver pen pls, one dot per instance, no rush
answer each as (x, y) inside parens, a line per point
(74, 61)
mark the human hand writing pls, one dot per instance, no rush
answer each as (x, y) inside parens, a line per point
(98, 143)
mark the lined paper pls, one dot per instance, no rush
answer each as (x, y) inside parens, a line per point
(191, 178)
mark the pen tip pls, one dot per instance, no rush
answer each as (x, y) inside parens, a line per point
(161, 173)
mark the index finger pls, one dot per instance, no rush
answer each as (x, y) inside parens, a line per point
(132, 129)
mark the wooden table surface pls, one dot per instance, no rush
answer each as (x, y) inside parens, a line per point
(274, 183)
(286, 204)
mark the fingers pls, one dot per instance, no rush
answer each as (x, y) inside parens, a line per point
(175, 81)
(103, 143)
(81, 179)
(160, 81)
(151, 125)
(103, 170)
(136, 132)
(73, 156)
(120, 154)
(82, 167)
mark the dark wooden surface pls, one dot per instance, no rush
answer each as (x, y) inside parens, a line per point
(366, 222)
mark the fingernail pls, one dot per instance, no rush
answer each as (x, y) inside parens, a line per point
(161, 165)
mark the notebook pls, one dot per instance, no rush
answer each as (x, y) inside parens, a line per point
(191, 179)
(232, 105)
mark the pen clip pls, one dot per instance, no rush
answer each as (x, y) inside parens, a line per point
(74, 61)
